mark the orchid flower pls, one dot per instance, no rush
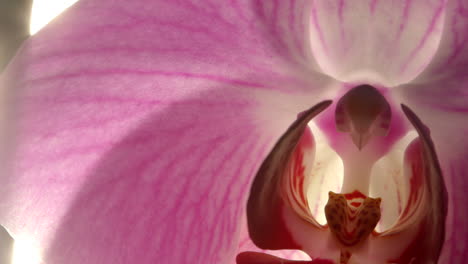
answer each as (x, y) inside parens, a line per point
(179, 131)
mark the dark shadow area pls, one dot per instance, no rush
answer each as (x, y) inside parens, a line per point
(6, 246)
(14, 27)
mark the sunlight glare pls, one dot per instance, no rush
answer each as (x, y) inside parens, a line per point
(43, 11)
(25, 252)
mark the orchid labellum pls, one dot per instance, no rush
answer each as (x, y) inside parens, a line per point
(209, 131)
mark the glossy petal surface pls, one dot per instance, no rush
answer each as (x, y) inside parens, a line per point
(139, 125)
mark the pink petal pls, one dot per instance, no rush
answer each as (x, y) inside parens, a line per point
(440, 98)
(387, 41)
(140, 124)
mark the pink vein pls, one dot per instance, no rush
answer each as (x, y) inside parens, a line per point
(117, 71)
(318, 28)
(404, 18)
(428, 32)
(373, 5)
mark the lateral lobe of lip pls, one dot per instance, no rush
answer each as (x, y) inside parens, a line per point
(264, 208)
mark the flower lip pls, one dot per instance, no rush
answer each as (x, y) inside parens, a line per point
(279, 216)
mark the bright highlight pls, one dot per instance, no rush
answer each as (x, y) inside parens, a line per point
(43, 11)
(25, 252)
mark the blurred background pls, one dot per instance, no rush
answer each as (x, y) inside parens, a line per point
(15, 17)
(20, 19)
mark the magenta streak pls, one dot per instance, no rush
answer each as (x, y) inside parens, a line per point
(404, 18)
(318, 28)
(178, 204)
(213, 186)
(372, 6)
(273, 30)
(445, 104)
(417, 181)
(240, 194)
(243, 63)
(398, 194)
(341, 6)
(302, 30)
(426, 35)
(107, 49)
(83, 150)
(453, 235)
(96, 100)
(239, 11)
(297, 176)
(263, 150)
(291, 25)
(90, 124)
(447, 108)
(274, 18)
(138, 21)
(188, 149)
(117, 71)
(459, 230)
(46, 134)
(176, 210)
(275, 25)
(459, 45)
(244, 186)
(298, 169)
(204, 13)
(218, 224)
(145, 22)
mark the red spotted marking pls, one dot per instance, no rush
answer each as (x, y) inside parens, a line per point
(352, 225)
(354, 195)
